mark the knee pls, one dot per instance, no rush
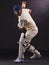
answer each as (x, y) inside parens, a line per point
(36, 30)
(21, 40)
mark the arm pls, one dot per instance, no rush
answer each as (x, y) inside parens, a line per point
(21, 24)
(30, 11)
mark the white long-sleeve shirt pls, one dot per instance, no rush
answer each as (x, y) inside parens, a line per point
(26, 21)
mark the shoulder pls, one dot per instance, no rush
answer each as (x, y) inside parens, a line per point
(29, 11)
(25, 9)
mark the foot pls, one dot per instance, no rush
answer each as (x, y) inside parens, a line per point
(36, 56)
(19, 60)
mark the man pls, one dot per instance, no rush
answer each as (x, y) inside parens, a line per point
(26, 21)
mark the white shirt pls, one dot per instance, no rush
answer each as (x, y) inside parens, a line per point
(30, 24)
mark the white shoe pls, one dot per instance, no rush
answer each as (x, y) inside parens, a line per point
(18, 60)
(36, 56)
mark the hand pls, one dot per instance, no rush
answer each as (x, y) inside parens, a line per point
(20, 28)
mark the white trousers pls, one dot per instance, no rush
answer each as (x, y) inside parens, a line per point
(30, 34)
(28, 37)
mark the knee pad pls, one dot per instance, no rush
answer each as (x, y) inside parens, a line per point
(26, 44)
(21, 40)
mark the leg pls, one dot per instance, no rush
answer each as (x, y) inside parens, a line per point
(28, 37)
(21, 49)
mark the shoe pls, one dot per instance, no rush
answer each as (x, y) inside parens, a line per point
(19, 60)
(39, 56)
(36, 56)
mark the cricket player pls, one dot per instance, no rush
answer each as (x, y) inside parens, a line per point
(27, 22)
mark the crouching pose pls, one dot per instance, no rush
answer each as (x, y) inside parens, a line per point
(26, 21)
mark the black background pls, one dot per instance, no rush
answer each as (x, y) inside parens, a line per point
(9, 33)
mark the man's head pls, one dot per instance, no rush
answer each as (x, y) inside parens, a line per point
(23, 4)
(17, 9)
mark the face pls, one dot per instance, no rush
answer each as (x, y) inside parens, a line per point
(18, 13)
(23, 4)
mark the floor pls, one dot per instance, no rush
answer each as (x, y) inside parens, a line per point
(8, 59)
(33, 62)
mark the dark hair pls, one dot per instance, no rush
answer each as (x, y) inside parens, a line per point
(23, 1)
